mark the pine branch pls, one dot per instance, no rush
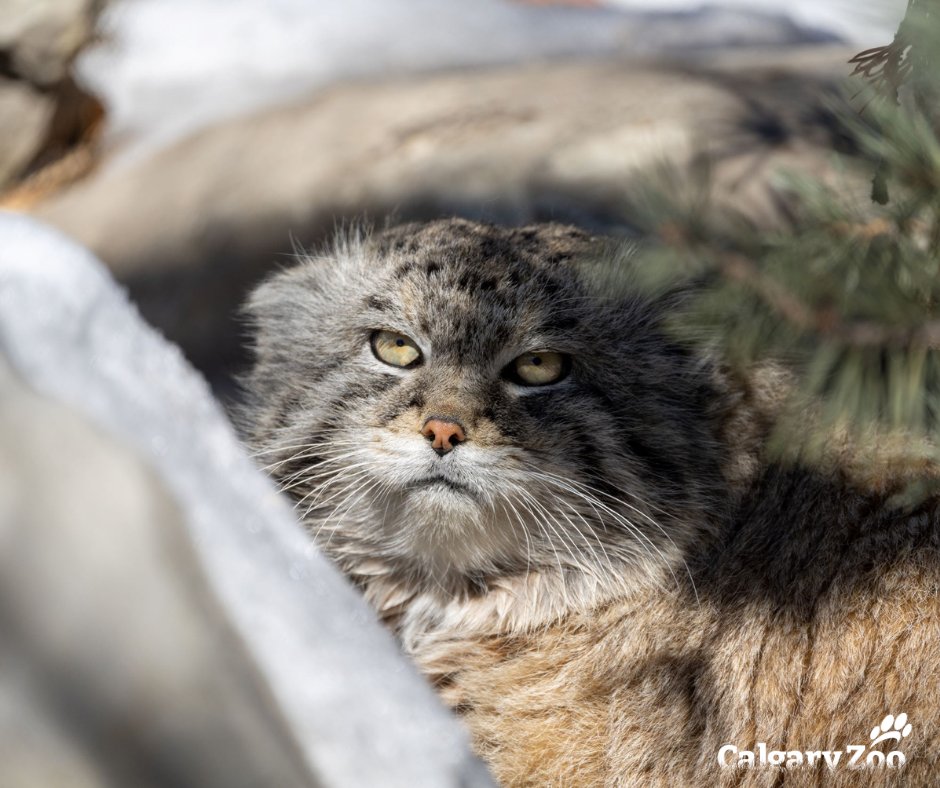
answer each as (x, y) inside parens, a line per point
(847, 298)
(826, 323)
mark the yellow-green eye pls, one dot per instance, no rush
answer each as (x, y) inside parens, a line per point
(395, 349)
(539, 368)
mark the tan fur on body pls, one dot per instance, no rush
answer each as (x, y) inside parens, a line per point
(621, 584)
(641, 685)
(803, 648)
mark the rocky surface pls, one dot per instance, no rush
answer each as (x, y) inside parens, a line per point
(43, 112)
(25, 114)
(163, 619)
(191, 228)
(40, 38)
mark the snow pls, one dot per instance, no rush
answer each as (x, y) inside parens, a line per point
(860, 23)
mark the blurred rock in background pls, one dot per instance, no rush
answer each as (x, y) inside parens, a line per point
(46, 117)
(170, 67)
(237, 131)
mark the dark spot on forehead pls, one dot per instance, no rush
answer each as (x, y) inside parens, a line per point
(457, 240)
(495, 247)
(379, 304)
(500, 330)
(483, 275)
(547, 284)
(564, 322)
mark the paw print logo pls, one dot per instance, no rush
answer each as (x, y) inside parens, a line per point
(891, 727)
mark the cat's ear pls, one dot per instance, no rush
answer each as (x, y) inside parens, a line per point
(314, 286)
(283, 297)
(284, 318)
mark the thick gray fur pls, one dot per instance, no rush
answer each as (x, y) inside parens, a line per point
(615, 466)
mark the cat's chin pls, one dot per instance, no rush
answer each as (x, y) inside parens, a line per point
(450, 533)
(441, 491)
(442, 508)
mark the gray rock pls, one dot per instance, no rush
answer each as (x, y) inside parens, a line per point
(43, 112)
(163, 618)
(25, 114)
(41, 37)
(242, 57)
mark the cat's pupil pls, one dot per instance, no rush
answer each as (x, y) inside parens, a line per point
(536, 360)
(400, 342)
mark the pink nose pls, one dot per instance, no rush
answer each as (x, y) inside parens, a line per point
(443, 434)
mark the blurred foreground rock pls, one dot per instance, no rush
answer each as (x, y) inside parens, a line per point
(190, 229)
(118, 665)
(163, 619)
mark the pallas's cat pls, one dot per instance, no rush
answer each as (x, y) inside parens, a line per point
(565, 518)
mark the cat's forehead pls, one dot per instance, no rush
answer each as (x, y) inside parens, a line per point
(478, 281)
(456, 245)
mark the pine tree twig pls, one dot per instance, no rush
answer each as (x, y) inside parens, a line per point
(738, 268)
(884, 66)
(887, 68)
(867, 230)
(826, 323)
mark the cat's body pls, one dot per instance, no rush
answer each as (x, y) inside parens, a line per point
(563, 516)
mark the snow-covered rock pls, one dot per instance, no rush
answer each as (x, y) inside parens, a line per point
(169, 67)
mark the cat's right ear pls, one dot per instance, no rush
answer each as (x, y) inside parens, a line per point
(293, 304)
(278, 303)
(321, 273)
(283, 318)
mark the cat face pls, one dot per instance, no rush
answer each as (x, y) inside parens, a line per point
(459, 400)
